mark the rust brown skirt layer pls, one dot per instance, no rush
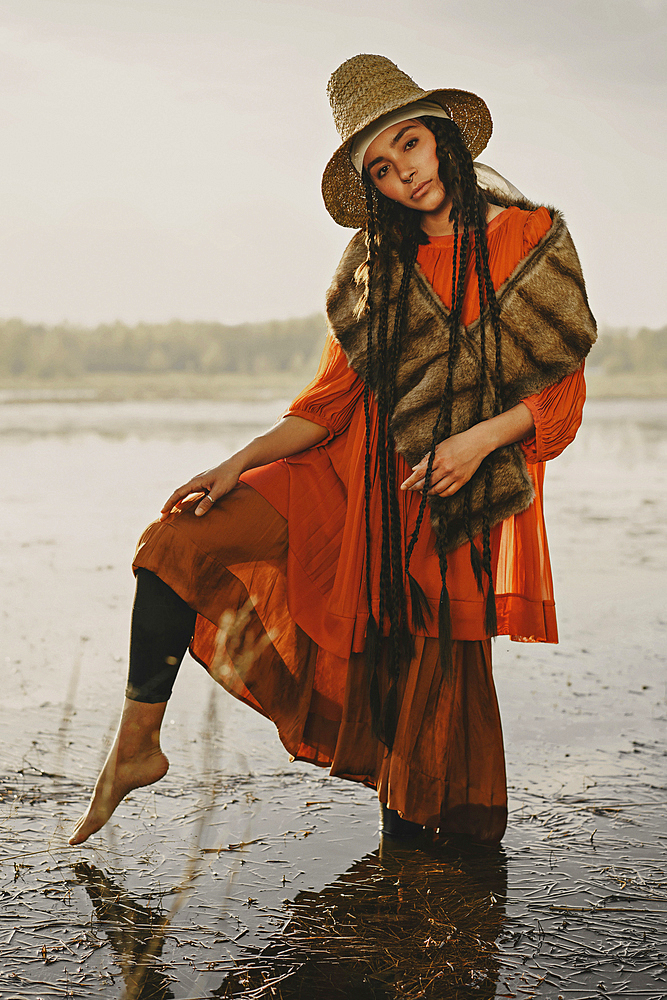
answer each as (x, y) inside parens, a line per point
(446, 769)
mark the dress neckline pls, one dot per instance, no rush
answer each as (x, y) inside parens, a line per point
(448, 241)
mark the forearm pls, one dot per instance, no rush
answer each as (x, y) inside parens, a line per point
(507, 428)
(288, 437)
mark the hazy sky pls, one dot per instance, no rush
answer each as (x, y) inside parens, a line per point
(162, 158)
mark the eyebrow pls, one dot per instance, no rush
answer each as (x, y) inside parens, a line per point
(397, 138)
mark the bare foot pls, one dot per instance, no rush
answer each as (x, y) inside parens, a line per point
(135, 759)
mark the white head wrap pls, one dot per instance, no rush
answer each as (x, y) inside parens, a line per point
(415, 110)
(487, 177)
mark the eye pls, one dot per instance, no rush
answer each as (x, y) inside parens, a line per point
(382, 172)
(411, 143)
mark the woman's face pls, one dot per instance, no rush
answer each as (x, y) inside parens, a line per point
(403, 164)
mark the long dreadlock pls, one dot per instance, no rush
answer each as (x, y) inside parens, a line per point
(393, 232)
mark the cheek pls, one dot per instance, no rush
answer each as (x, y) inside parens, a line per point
(430, 155)
(391, 188)
(434, 162)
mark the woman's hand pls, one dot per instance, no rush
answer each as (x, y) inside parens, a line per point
(456, 461)
(458, 458)
(217, 481)
(288, 437)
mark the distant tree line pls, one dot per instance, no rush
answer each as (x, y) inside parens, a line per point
(250, 348)
(210, 348)
(619, 351)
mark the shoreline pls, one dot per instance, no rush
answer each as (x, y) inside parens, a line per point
(126, 386)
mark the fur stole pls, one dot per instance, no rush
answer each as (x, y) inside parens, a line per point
(547, 330)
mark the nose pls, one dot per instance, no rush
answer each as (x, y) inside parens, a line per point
(407, 175)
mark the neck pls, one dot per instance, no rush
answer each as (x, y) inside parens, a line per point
(437, 223)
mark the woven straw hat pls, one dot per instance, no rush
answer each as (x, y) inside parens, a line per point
(362, 90)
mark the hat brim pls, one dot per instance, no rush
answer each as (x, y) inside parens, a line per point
(342, 187)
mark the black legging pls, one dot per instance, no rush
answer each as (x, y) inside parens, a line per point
(162, 627)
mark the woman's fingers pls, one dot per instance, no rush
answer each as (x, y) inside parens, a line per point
(442, 484)
(205, 489)
(445, 488)
(205, 505)
(193, 487)
(175, 498)
(416, 480)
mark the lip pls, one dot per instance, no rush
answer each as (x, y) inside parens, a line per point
(420, 189)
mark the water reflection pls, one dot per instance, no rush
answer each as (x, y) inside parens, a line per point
(135, 933)
(404, 921)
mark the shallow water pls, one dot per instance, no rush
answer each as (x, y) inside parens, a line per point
(242, 875)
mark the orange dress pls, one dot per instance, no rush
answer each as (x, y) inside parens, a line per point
(276, 572)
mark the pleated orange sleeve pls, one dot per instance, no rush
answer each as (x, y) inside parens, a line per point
(557, 412)
(332, 396)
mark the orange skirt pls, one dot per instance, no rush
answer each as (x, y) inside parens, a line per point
(446, 769)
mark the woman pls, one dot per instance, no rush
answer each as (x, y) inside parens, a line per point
(344, 572)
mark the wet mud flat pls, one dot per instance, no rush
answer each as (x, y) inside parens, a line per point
(167, 905)
(242, 875)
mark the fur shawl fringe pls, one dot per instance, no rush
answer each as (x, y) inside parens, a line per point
(547, 330)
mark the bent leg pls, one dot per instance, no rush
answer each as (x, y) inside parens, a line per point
(162, 626)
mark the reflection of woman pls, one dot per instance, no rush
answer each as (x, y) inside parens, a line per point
(399, 922)
(370, 543)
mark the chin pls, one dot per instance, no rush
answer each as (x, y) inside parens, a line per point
(429, 205)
